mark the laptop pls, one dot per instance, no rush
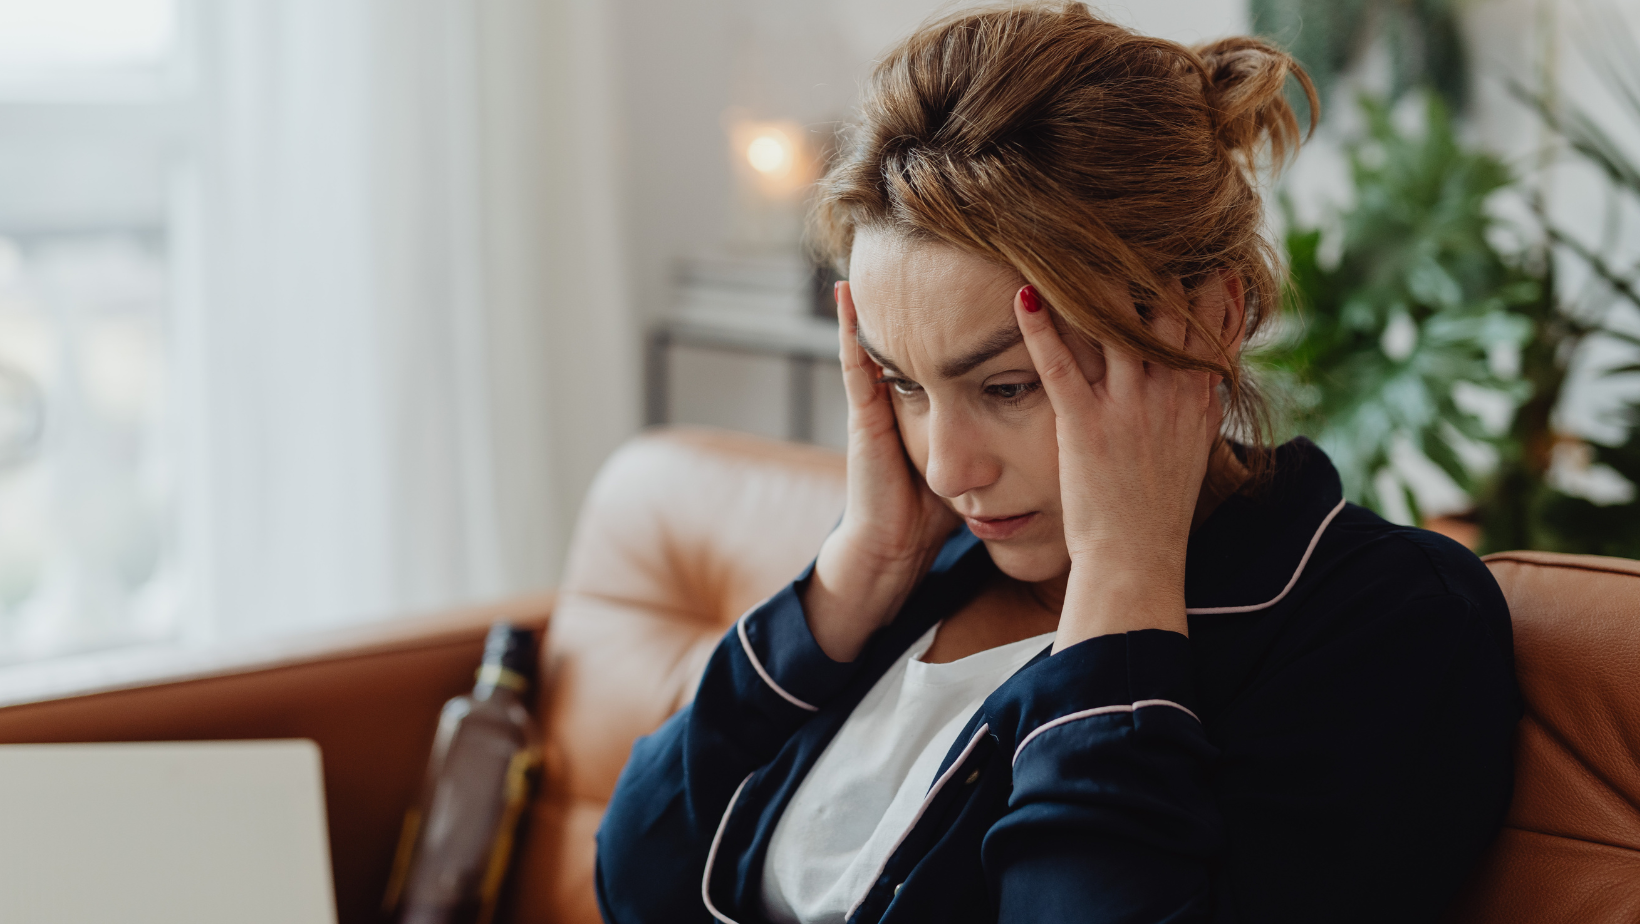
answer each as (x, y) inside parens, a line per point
(181, 833)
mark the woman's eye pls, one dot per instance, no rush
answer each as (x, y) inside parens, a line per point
(905, 386)
(1013, 392)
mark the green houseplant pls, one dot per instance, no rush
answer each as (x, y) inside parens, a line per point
(1416, 300)
(1422, 37)
(1419, 304)
(1528, 513)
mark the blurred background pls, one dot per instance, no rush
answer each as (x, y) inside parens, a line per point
(320, 312)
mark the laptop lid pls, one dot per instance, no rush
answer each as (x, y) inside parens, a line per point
(176, 832)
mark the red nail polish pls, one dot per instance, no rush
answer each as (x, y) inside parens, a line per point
(1027, 296)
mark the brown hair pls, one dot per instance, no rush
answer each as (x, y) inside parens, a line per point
(1078, 152)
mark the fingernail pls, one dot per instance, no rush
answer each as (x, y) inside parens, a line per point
(1027, 297)
(837, 290)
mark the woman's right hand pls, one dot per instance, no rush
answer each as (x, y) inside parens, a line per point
(893, 526)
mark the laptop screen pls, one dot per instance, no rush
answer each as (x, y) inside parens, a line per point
(175, 832)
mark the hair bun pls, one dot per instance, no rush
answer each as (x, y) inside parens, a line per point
(1245, 80)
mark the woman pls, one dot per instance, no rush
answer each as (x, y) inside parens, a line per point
(1083, 647)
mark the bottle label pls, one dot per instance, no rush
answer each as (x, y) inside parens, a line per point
(520, 773)
(497, 676)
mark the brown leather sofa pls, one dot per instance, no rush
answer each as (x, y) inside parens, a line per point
(683, 531)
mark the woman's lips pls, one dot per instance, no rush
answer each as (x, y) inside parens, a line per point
(995, 528)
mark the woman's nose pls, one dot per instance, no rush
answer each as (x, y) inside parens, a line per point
(958, 459)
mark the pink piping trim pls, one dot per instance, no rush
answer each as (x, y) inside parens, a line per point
(746, 643)
(711, 856)
(1090, 713)
(927, 801)
(1210, 610)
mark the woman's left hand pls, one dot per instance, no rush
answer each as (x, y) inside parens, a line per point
(1134, 444)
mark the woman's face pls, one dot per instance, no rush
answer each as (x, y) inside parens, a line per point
(971, 409)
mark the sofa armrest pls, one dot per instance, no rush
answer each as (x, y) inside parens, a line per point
(369, 698)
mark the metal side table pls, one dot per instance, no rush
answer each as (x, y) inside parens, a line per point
(799, 339)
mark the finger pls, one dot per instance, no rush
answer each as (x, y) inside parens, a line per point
(1125, 370)
(1068, 392)
(1204, 336)
(860, 374)
(1215, 408)
(1088, 354)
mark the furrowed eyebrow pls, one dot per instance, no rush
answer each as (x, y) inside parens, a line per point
(871, 351)
(1003, 340)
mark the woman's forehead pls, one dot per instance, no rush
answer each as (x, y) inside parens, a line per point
(927, 299)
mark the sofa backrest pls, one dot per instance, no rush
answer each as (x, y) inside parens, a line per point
(686, 529)
(1570, 849)
(682, 532)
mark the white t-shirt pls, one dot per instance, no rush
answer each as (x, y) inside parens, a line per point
(849, 813)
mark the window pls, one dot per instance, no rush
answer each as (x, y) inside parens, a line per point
(272, 316)
(90, 147)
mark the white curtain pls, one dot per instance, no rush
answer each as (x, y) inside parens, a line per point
(376, 222)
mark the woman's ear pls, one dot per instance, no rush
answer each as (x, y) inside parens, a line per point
(1220, 307)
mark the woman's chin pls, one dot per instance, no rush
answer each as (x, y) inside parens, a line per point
(1032, 562)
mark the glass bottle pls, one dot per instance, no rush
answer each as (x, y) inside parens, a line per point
(457, 840)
